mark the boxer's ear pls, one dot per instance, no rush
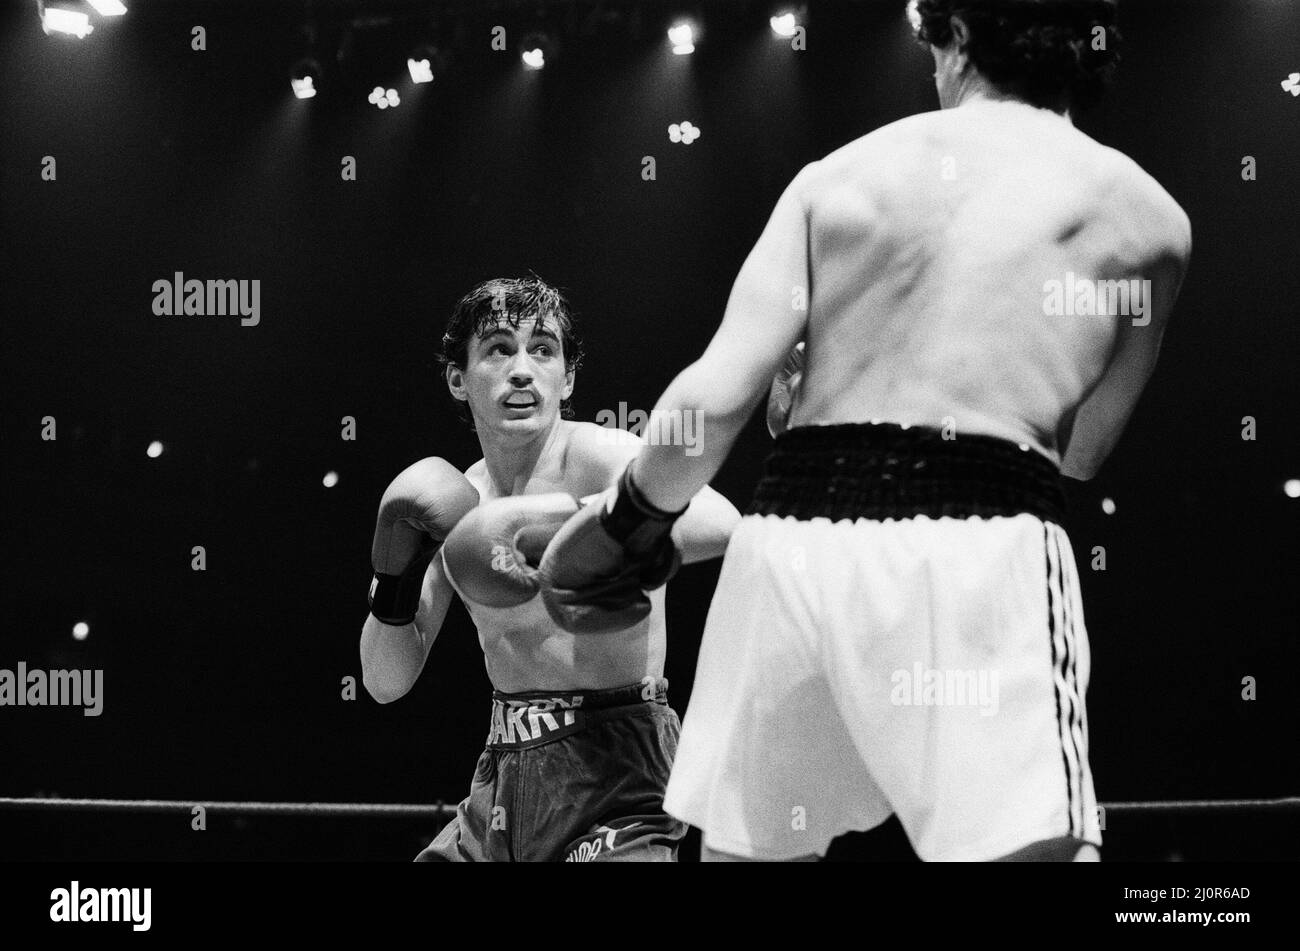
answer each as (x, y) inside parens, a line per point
(569, 378)
(455, 377)
(960, 37)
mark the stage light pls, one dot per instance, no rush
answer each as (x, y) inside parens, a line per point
(1292, 488)
(421, 70)
(1292, 84)
(155, 450)
(784, 25)
(80, 631)
(684, 133)
(384, 98)
(914, 16)
(682, 36)
(108, 8)
(62, 20)
(426, 61)
(303, 78)
(537, 49)
(1108, 506)
(331, 479)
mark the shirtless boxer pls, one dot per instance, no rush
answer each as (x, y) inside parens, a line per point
(909, 520)
(581, 736)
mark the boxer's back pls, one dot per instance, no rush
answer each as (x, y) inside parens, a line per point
(931, 241)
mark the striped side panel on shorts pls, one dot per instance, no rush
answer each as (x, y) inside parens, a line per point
(1079, 725)
(1061, 637)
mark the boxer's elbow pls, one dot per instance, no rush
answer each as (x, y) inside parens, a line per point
(1078, 472)
(706, 527)
(384, 689)
(382, 673)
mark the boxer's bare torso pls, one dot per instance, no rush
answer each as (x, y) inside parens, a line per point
(522, 647)
(930, 244)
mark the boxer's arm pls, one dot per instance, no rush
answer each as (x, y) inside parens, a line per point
(1102, 415)
(392, 657)
(765, 317)
(703, 532)
(700, 534)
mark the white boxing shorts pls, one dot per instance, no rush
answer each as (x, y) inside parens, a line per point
(897, 629)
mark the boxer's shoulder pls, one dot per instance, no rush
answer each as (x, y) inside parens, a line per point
(1145, 201)
(916, 130)
(594, 456)
(477, 477)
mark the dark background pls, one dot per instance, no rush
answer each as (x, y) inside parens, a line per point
(226, 683)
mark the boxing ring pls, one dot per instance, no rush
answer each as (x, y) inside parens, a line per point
(440, 812)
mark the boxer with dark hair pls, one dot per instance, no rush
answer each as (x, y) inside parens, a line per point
(898, 626)
(581, 736)
(1055, 54)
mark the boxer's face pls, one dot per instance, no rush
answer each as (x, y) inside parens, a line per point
(514, 377)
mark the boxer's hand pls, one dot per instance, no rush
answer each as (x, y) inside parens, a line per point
(494, 553)
(598, 567)
(419, 509)
(785, 389)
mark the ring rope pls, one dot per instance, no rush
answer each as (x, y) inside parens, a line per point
(441, 811)
(435, 811)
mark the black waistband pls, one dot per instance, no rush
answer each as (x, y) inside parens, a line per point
(884, 470)
(526, 720)
(651, 689)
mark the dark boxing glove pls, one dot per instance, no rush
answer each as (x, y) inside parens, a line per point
(419, 509)
(598, 567)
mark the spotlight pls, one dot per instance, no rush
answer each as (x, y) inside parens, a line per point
(1108, 506)
(155, 450)
(108, 8)
(331, 479)
(421, 70)
(682, 36)
(784, 24)
(303, 78)
(1292, 488)
(425, 62)
(536, 49)
(383, 98)
(684, 133)
(914, 16)
(63, 20)
(80, 631)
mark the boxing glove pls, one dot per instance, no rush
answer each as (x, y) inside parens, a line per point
(493, 555)
(419, 509)
(785, 390)
(598, 567)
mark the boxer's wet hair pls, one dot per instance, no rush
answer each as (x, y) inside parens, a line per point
(509, 301)
(1042, 51)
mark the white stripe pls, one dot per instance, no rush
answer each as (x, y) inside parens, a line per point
(1069, 586)
(1060, 674)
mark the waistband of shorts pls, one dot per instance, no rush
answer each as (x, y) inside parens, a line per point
(885, 470)
(524, 720)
